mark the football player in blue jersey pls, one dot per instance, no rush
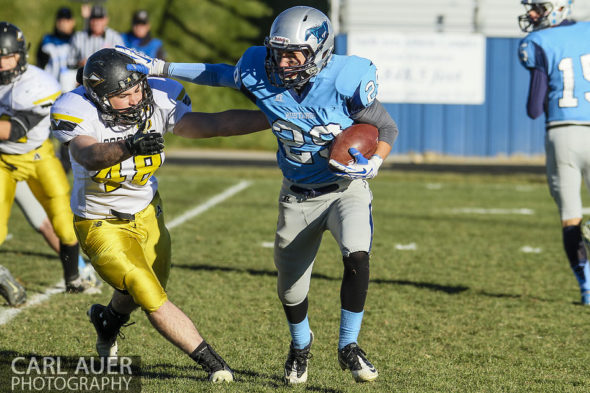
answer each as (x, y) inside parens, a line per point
(559, 64)
(309, 96)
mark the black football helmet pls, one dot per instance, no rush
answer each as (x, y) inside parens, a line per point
(105, 75)
(12, 40)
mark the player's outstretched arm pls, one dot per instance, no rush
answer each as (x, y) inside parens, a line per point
(219, 75)
(228, 123)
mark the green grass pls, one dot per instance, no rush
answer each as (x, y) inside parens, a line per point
(466, 311)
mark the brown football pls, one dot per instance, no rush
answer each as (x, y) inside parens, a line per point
(363, 137)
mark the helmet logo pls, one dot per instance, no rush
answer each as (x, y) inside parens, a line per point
(319, 32)
(94, 80)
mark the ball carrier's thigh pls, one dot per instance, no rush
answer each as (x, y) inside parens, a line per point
(132, 256)
(301, 224)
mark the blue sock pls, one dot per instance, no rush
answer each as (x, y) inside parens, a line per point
(81, 262)
(300, 333)
(350, 327)
(582, 273)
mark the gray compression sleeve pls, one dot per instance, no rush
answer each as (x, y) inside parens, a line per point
(376, 115)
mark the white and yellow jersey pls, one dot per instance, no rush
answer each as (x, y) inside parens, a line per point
(30, 96)
(127, 187)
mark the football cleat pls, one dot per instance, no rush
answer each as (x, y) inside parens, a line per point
(213, 364)
(296, 364)
(353, 358)
(10, 289)
(82, 285)
(87, 273)
(107, 329)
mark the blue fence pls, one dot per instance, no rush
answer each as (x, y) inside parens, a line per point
(499, 127)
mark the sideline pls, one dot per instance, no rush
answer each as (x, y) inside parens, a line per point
(9, 313)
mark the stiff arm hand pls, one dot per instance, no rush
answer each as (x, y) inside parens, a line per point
(362, 168)
(144, 64)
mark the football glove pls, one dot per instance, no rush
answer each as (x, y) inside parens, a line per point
(145, 143)
(144, 64)
(360, 169)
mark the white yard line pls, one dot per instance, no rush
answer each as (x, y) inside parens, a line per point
(209, 204)
(8, 314)
(479, 210)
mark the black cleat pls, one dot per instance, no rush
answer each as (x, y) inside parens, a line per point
(107, 329)
(213, 364)
(353, 358)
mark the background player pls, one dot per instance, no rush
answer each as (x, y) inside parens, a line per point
(112, 125)
(558, 62)
(26, 154)
(309, 96)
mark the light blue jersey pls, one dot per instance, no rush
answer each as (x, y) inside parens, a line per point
(564, 53)
(305, 125)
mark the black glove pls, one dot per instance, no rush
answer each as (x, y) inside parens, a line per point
(145, 144)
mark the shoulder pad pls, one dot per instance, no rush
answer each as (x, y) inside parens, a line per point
(35, 89)
(351, 74)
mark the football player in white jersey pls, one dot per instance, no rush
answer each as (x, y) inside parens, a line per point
(26, 95)
(310, 95)
(113, 125)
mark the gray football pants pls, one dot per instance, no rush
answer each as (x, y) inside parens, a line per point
(346, 213)
(568, 159)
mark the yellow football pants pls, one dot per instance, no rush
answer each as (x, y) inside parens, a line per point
(132, 256)
(44, 174)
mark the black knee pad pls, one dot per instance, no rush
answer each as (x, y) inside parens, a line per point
(356, 263)
(355, 281)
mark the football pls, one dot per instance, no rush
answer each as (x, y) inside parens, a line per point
(363, 137)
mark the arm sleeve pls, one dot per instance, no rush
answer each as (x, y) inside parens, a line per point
(537, 93)
(376, 115)
(21, 123)
(203, 74)
(532, 56)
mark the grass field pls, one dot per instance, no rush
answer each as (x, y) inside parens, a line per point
(454, 305)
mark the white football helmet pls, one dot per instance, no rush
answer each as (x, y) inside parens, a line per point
(302, 29)
(550, 13)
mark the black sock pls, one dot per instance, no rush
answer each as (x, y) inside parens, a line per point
(122, 318)
(69, 261)
(574, 245)
(195, 354)
(296, 314)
